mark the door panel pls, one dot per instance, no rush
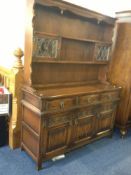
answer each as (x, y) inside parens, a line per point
(105, 121)
(57, 138)
(84, 128)
(84, 125)
(58, 131)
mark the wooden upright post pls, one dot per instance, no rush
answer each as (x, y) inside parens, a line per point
(16, 80)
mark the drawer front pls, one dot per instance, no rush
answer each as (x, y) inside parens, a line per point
(89, 99)
(60, 104)
(109, 96)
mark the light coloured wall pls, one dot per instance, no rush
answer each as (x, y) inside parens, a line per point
(107, 7)
(12, 19)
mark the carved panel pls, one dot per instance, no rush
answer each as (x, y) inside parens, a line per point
(45, 47)
(57, 138)
(84, 127)
(105, 121)
(102, 52)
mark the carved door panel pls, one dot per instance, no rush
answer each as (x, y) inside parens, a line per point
(102, 52)
(105, 121)
(84, 126)
(58, 131)
(46, 47)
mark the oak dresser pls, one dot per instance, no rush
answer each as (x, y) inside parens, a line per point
(67, 101)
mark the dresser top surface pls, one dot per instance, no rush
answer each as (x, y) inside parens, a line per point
(72, 91)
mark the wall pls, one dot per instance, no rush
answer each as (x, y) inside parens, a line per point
(12, 17)
(107, 7)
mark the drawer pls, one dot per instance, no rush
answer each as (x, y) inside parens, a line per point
(109, 96)
(89, 99)
(59, 104)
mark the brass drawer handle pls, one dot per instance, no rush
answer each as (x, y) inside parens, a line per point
(62, 104)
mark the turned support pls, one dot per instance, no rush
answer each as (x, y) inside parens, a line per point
(16, 81)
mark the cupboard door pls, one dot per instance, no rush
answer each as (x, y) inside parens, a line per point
(84, 126)
(105, 121)
(57, 132)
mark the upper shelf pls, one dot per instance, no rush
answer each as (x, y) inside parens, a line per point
(72, 38)
(51, 48)
(39, 60)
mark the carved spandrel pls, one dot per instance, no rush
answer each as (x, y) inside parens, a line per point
(102, 52)
(45, 47)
